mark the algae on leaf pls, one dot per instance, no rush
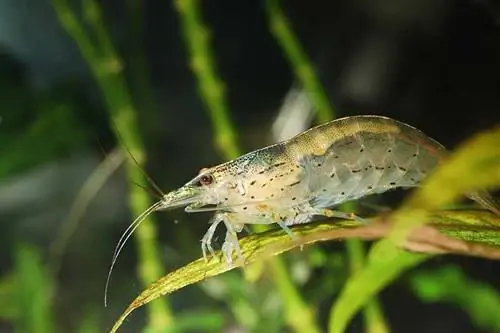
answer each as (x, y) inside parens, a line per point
(274, 242)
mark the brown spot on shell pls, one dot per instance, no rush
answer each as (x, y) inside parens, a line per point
(262, 207)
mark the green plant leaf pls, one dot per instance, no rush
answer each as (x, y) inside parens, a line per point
(474, 166)
(9, 310)
(90, 322)
(106, 66)
(34, 290)
(55, 116)
(254, 247)
(385, 263)
(205, 320)
(373, 316)
(449, 284)
(274, 242)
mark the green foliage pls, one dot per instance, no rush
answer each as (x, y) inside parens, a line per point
(303, 70)
(197, 37)
(204, 320)
(374, 319)
(450, 285)
(254, 247)
(34, 292)
(36, 143)
(36, 127)
(90, 322)
(385, 263)
(97, 48)
(385, 260)
(254, 310)
(9, 310)
(87, 193)
(475, 165)
(26, 294)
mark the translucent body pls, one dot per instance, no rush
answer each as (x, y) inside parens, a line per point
(290, 182)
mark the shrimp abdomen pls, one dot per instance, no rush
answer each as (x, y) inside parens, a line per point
(352, 157)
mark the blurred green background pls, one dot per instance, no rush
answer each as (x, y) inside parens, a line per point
(188, 84)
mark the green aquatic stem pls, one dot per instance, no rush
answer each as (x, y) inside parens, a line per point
(298, 60)
(387, 262)
(34, 292)
(106, 67)
(211, 87)
(89, 190)
(139, 70)
(372, 313)
(197, 37)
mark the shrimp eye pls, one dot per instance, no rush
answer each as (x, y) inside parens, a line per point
(206, 179)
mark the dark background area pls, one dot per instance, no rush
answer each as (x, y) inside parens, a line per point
(432, 64)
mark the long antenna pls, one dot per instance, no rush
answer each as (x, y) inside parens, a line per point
(123, 240)
(148, 190)
(144, 173)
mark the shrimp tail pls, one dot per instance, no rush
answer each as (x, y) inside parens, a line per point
(486, 200)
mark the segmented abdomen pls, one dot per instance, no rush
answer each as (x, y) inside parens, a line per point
(358, 156)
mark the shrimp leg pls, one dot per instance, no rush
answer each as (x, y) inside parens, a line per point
(287, 230)
(231, 244)
(206, 241)
(341, 215)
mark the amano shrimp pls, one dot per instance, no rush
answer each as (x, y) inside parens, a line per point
(290, 182)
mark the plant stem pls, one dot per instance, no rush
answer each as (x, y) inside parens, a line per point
(89, 190)
(298, 60)
(324, 112)
(106, 68)
(298, 314)
(211, 87)
(373, 314)
(140, 75)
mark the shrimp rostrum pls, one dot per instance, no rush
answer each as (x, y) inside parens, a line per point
(290, 182)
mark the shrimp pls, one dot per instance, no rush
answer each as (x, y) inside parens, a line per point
(290, 182)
